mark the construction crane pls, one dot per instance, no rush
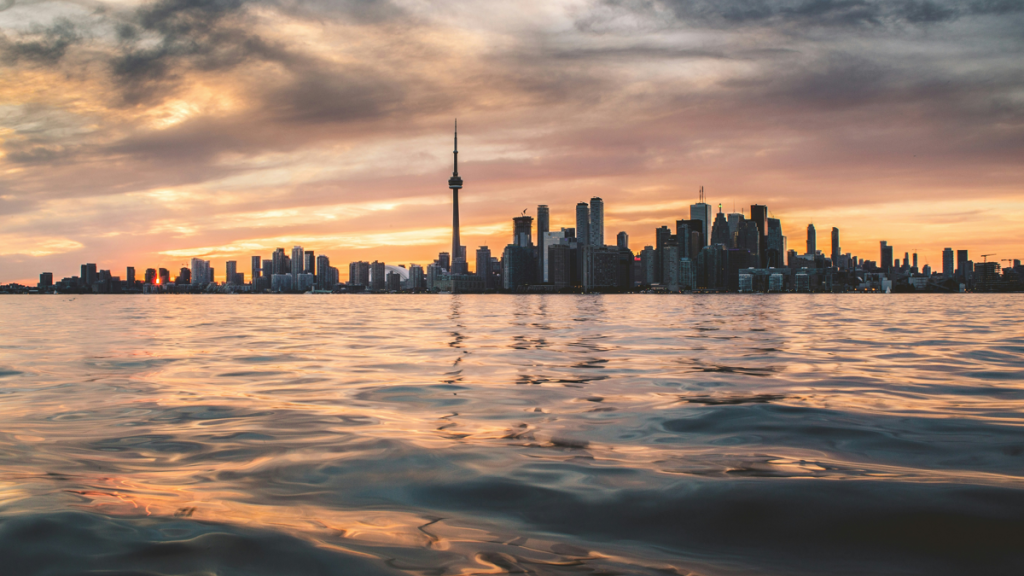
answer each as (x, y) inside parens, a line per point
(984, 257)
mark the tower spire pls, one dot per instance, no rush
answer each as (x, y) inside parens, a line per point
(456, 173)
(455, 183)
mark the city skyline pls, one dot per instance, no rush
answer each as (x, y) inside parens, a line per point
(160, 131)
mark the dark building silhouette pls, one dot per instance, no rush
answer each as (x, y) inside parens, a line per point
(885, 257)
(759, 215)
(720, 230)
(661, 237)
(559, 265)
(130, 277)
(812, 240)
(583, 223)
(836, 251)
(776, 247)
(378, 276)
(359, 274)
(522, 231)
(483, 267)
(543, 227)
(622, 240)
(947, 263)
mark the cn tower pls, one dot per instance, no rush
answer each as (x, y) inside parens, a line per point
(455, 183)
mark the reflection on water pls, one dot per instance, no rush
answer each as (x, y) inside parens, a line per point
(791, 434)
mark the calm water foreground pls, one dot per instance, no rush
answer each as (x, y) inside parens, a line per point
(783, 434)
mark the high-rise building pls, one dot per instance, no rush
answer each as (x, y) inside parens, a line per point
(280, 262)
(622, 240)
(596, 221)
(164, 275)
(151, 274)
(759, 216)
(268, 270)
(89, 275)
(378, 280)
(184, 277)
(230, 270)
(255, 273)
(45, 281)
(734, 227)
(962, 269)
(483, 266)
(583, 223)
(359, 274)
(323, 282)
(836, 252)
(720, 230)
(812, 240)
(296, 264)
(309, 266)
(543, 225)
(130, 277)
(455, 183)
(559, 270)
(914, 267)
(647, 265)
(776, 246)
(885, 261)
(702, 211)
(947, 262)
(522, 231)
(661, 237)
(417, 279)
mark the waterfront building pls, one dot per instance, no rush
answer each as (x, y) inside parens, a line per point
(702, 211)
(836, 252)
(281, 283)
(297, 262)
(359, 274)
(377, 277)
(961, 265)
(775, 247)
(812, 240)
(559, 262)
(45, 281)
(309, 263)
(596, 222)
(686, 273)
(393, 282)
(522, 231)
(130, 277)
(886, 257)
(734, 227)
(543, 226)
(647, 265)
(719, 230)
(417, 279)
(759, 216)
(231, 268)
(483, 267)
(670, 264)
(947, 262)
(583, 223)
(622, 240)
(256, 270)
(661, 237)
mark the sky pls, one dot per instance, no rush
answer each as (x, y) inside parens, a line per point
(146, 133)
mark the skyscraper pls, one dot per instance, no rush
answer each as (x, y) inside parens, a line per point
(130, 277)
(543, 223)
(583, 223)
(297, 260)
(720, 230)
(483, 266)
(812, 240)
(702, 211)
(522, 231)
(596, 221)
(885, 262)
(947, 262)
(455, 183)
(255, 269)
(759, 215)
(622, 240)
(322, 280)
(776, 246)
(231, 268)
(835, 246)
(310, 264)
(961, 263)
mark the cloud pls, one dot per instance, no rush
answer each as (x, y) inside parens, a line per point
(42, 45)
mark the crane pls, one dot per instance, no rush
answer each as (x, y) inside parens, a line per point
(984, 257)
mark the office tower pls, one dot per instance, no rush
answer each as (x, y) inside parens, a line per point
(947, 262)
(483, 266)
(596, 222)
(359, 274)
(323, 280)
(199, 270)
(151, 275)
(661, 237)
(45, 280)
(720, 229)
(622, 240)
(886, 257)
(516, 267)
(685, 274)
(647, 265)
(543, 226)
(309, 264)
(229, 272)
(268, 269)
(130, 277)
(734, 227)
(417, 279)
(759, 216)
(689, 236)
(297, 261)
(914, 267)
(702, 211)
(455, 183)
(670, 263)
(164, 275)
(835, 247)
(776, 246)
(89, 275)
(255, 268)
(562, 236)
(962, 265)
(377, 276)
(522, 231)
(280, 263)
(393, 282)
(184, 277)
(83, 275)
(812, 240)
(583, 223)
(444, 261)
(559, 270)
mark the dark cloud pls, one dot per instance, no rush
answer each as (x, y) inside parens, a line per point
(813, 13)
(45, 45)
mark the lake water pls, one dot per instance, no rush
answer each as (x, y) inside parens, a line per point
(541, 434)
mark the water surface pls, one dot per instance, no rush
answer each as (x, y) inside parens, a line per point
(542, 434)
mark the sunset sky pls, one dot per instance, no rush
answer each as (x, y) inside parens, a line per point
(145, 133)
